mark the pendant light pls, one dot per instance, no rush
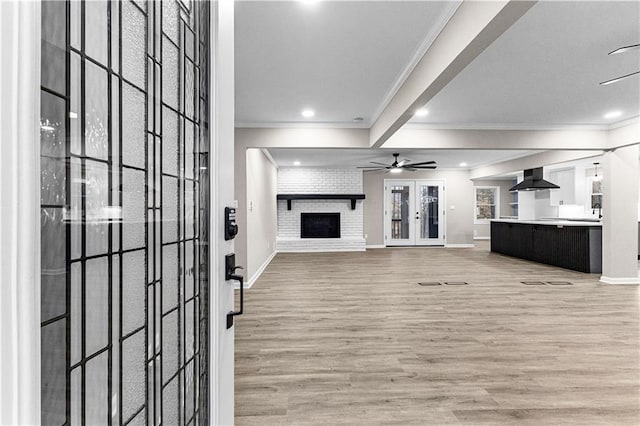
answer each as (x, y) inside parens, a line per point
(596, 177)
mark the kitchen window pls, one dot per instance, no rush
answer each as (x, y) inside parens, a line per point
(486, 203)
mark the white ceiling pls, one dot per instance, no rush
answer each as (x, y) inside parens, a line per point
(345, 59)
(445, 159)
(545, 70)
(341, 58)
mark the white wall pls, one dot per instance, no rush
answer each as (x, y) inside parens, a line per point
(261, 216)
(458, 193)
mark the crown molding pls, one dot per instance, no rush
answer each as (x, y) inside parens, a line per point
(300, 125)
(498, 126)
(626, 122)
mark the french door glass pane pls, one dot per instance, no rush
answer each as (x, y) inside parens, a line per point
(400, 212)
(429, 220)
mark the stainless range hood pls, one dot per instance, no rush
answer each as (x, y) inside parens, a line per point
(533, 181)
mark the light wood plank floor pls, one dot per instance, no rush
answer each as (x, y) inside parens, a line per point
(351, 338)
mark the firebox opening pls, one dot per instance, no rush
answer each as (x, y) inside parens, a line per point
(320, 225)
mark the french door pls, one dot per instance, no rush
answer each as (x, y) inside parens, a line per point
(414, 212)
(124, 212)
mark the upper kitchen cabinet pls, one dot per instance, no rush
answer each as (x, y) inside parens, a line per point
(566, 179)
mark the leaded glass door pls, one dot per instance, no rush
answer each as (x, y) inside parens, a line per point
(124, 217)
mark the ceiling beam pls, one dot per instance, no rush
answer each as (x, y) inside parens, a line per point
(472, 28)
(301, 138)
(568, 139)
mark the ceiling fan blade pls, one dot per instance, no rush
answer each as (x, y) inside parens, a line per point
(424, 167)
(624, 49)
(615, 80)
(366, 169)
(421, 164)
(380, 164)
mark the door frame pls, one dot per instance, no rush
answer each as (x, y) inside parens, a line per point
(413, 230)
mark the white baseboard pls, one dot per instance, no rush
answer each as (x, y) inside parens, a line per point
(624, 280)
(459, 245)
(481, 238)
(260, 270)
(375, 246)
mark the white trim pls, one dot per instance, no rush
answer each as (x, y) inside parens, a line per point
(20, 267)
(375, 246)
(481, 238)
(626, 122)
(506, 126)
(301, 125)
(260, 270)
(459, 245)
(620, 281)
(267, 154)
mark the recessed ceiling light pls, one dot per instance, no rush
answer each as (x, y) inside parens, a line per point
(395, 170)
(422, 112)
(613, 114)
(357, 119)
(463, 164)
(308, 113)
(296, 163)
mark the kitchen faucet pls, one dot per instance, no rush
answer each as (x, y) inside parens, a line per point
(599, 207)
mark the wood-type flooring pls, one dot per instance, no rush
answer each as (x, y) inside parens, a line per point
(351, 338)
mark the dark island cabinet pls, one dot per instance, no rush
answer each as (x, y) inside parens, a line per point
(572, 247)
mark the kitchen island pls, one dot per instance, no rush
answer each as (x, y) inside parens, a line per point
(568, 244)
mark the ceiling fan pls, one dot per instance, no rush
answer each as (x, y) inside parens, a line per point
(398, 166)
(615, 52)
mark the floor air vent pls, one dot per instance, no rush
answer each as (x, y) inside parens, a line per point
(429, 283)
(456, 283)
(532, 282)
(559, 283)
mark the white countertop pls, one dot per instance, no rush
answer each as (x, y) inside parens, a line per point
(554, 222)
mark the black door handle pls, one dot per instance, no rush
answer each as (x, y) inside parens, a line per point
(232, 314)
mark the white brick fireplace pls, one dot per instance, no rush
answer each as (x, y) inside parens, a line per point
(320, 181)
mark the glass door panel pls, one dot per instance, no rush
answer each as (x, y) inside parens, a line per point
(430, 212)
(399, 212)
(399, 225)
(124, 217)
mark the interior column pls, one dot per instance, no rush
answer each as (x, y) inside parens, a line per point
(620, 216)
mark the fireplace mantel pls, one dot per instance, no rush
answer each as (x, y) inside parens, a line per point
(290, 197)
